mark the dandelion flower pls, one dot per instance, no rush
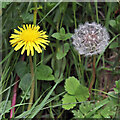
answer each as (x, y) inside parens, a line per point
(29, 38)
(90, 39)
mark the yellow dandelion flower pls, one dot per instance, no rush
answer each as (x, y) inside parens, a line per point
(29, 38)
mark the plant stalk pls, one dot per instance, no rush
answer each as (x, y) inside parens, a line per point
(93, 75)
(31, 65)
(33, 83)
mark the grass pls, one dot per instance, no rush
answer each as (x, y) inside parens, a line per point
(48, 94)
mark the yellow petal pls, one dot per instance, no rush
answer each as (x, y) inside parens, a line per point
(32, 26)
(40, 50)
(36, 48)
(23, 50)
(20, 28)
(14, 36)
(42, 45)
(27, 26)
(28, 49)
(24, 27)
(32, 50)
(19, 45)
(16, 31)
(37, 28)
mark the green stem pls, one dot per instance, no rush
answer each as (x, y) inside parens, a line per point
(33, 83)
(93, 75)
(35, 14)
(96, 7)
(31, 66)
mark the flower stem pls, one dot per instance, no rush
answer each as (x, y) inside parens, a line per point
(33, 83)
(93, 74)
(31, 65)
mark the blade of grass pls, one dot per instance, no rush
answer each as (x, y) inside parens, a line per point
(42, 104)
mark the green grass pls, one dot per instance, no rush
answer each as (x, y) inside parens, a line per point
(51, 17)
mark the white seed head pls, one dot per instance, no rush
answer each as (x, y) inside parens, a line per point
(90, 39)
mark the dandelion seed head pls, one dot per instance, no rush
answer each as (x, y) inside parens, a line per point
(90, 39)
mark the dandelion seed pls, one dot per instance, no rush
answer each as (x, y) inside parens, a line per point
(29, 38)
(90, 39)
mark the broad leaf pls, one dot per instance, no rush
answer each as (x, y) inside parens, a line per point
(81, 93)
(71, 85)
(62, 51)
(25, 82)
(21, 68)
(114, 45)
(44, 72)
(61, 35)
(68, 99)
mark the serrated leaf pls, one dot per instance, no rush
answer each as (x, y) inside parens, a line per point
(81, 93)
(44, 72)
(21, 68)
(77, 114)
(25, 82)
(106, 112)
(71, 85)
(62, 51)
(85, 107)
(68, 99)
(97, 116)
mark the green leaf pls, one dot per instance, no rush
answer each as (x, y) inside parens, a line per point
(85, 107)
(68, 36)
(68, 99)
(118, 19)
(57, 36)
(62, 51)
(77, 114)
(62, 31)
(4, 4)
(71, 85)
(44, 72)
(112, 23)
(106, 112)
(114, 100)
(25, 82)
(81, 93)
(97, 107)
(118, 85)
(21, 68)
(27, 17)
(114, 45)
(61, 35)
(2, 104)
